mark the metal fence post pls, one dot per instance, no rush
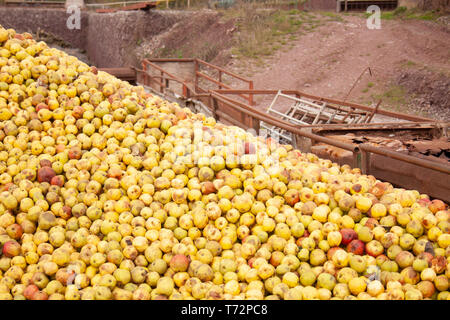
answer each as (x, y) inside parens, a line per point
(195, 75)
(365, 162)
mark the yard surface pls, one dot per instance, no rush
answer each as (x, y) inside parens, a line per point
(409, 60)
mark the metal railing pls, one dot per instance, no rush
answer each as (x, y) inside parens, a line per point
(205, 76)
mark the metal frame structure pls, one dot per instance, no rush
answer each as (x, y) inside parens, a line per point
(307, 112)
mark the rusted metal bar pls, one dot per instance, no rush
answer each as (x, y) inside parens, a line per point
(365, 162)
(356, 81)
(357, 160)
(445, 168)
(195, 75)
(344, 103)
(250, 96)
(234, 75)
(215, 107)
(379, 126)
(220, 79)
(202, 75)
(171, 59)
(374, 111)
(162, 70)
(144, 67)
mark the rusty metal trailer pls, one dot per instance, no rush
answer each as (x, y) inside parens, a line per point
(230, 98)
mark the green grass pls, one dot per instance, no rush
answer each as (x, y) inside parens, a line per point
(395, 97)
(332, 15)
(370, 84)
(410, 64)
(262, 32)
(408, 14)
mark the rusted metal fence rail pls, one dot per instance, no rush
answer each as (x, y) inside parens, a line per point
(297, 93)
(205, 76)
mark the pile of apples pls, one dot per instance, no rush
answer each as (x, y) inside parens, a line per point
(109, 192)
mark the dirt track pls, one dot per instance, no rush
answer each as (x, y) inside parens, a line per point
(329, 60)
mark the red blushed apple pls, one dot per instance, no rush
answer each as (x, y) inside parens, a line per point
(29, 291)
(436, 205)
(371, 223)
(381, 258)
(57, 181)
(378, 189)
(299, 240)
(39, 295)
(331, 252)
(276, 258)
(41, 106)
(45, 174)
(179, 263)
(180, 114)
(251, 261)
(356, 247)
(66, 212)
(77, 112)
(427, 288)
(11, 249)
(374, 248)
(6, 186)
(15, 231)
(208, 187)
(348, 235)
(115, 173)
(27, 35)
(74, 153)
(292, 197)
(33, 115)
(424, 202)
(60, 148)
(428, 257)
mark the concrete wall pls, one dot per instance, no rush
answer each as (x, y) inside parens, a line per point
(426, 4)
(108, 38)
(113, 37)
(50, 20)
(329, 5)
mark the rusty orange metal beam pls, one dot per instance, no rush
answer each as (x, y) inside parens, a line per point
(434, 165)
(234, 75)
(310, 96)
